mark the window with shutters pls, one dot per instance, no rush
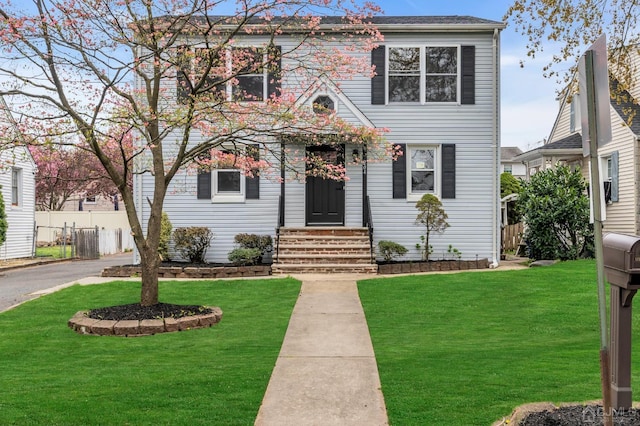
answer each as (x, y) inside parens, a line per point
(422, 172)
(425, 74)
(249, 66)
(228, 185)
(609, 175)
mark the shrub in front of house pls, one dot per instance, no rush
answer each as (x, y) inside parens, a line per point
(390, 250)
(192, 242)
(262, 242)
(245, 256)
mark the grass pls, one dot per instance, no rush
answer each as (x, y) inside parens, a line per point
(53, 376)
(466, 349)
(54, 251)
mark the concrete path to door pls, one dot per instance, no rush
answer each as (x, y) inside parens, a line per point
(326, 373)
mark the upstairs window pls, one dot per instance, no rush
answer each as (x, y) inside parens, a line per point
(404, 74)
(252, 77)
(255, 80)
(423, 74)
(441, 79)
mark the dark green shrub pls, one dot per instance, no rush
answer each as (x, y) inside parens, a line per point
(245, 256)
(165, 236)
(262, 242)
(192, 242)
(390, 250)
(556, 211)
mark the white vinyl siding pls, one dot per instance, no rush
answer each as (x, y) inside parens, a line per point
(20, 206)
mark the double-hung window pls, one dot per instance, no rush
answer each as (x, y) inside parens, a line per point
(238, 74)
(404, 74)
(251, 76)
(16, 183)
(422, 176)
(423, 74)
(424, 169)
(228, 181)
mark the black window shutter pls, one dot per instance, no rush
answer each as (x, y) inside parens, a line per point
(252, 184)
(274, 75)
(204, 183)
(183, 84)
(378, 88)
(468, 75)
(448, 171)
(399, 171)
(614, 176)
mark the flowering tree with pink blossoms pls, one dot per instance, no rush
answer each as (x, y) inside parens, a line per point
(71, 171)
(176, 75)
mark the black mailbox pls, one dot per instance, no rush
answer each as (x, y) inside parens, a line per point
(621, 255)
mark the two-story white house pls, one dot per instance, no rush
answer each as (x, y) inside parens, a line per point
(436, 89)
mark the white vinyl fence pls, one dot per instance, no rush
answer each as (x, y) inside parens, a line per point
(107, 232)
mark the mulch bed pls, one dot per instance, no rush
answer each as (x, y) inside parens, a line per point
(136, 311)
(579, 415)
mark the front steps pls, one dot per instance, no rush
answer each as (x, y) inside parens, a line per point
(323, 249)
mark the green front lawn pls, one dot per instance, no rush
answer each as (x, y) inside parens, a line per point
(53, 376)
(467, 348)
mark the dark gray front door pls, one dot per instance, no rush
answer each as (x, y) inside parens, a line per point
(325, 197)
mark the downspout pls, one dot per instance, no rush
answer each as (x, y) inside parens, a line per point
(496, 151)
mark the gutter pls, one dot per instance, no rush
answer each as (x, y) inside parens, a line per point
(496, 153)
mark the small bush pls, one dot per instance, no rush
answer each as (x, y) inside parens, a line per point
(262, 242)
(165, 236)
(245, 256)
(390, 250)
(192, 242)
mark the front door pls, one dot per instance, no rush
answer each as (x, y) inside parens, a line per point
(325, 197)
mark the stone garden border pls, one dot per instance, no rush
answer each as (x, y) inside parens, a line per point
(432, 266)
(191, 271)
(82, 324)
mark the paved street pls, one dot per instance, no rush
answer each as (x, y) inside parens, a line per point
(17, 285)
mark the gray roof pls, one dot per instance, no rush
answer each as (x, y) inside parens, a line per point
(508, 152)
(383, 22)
(573, 141)
(429, 20)
(626, 107)
(570, 145)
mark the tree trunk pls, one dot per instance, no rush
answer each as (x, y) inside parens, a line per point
(150, 263)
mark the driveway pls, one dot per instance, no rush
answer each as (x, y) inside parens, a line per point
(17, 285)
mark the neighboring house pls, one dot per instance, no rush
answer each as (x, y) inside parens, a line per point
(508, 163)
(17, 178)
(619, 159)
(94, 203)
(451, 149)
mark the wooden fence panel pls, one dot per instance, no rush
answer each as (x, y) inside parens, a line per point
(87, 243)
(512, 236)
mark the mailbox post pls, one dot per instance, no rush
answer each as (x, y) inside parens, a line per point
(621, 255)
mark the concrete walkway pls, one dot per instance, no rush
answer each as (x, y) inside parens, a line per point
(326, 373)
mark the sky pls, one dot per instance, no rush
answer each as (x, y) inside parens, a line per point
(528, 100)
